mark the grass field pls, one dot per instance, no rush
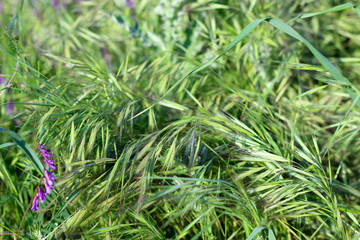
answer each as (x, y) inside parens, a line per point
(180, 119)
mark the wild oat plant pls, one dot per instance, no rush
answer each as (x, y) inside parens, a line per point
(177, 119)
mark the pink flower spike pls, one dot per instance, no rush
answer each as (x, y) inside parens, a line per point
(42, 195)
(35, 206)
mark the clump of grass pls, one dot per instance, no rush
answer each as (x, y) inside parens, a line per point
(204, 120)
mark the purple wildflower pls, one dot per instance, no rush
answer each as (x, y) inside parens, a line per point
(17, 122)
(48, 187)
(35, 206)
(37, 14)
(48, 160)
(4, 83)
(56, 4)
(50, 177)
(130, 4)
(35, 10)
(47, 155)
(42, 195)
(50, 164)
(10, 108)
(106, 55)
(43, 149)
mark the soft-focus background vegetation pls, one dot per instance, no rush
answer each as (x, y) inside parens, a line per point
(264, 143)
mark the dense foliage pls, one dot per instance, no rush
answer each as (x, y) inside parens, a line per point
(154, 139)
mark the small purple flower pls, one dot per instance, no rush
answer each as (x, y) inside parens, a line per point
(106, 55)
(56, 4)
(130, 4)
(35, 206)
(50, 164)
(50, 177)
(17, 122)
(43, 149)
(133, 18)
(4, 83)
(47, 155)
(48, 187)
(42, 195)
(48, 160)
(10, 108)
(37, 14)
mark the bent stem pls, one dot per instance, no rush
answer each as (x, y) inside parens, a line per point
(27, 210)
(32, 199)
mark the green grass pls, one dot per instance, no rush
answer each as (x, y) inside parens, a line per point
(202, 120)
